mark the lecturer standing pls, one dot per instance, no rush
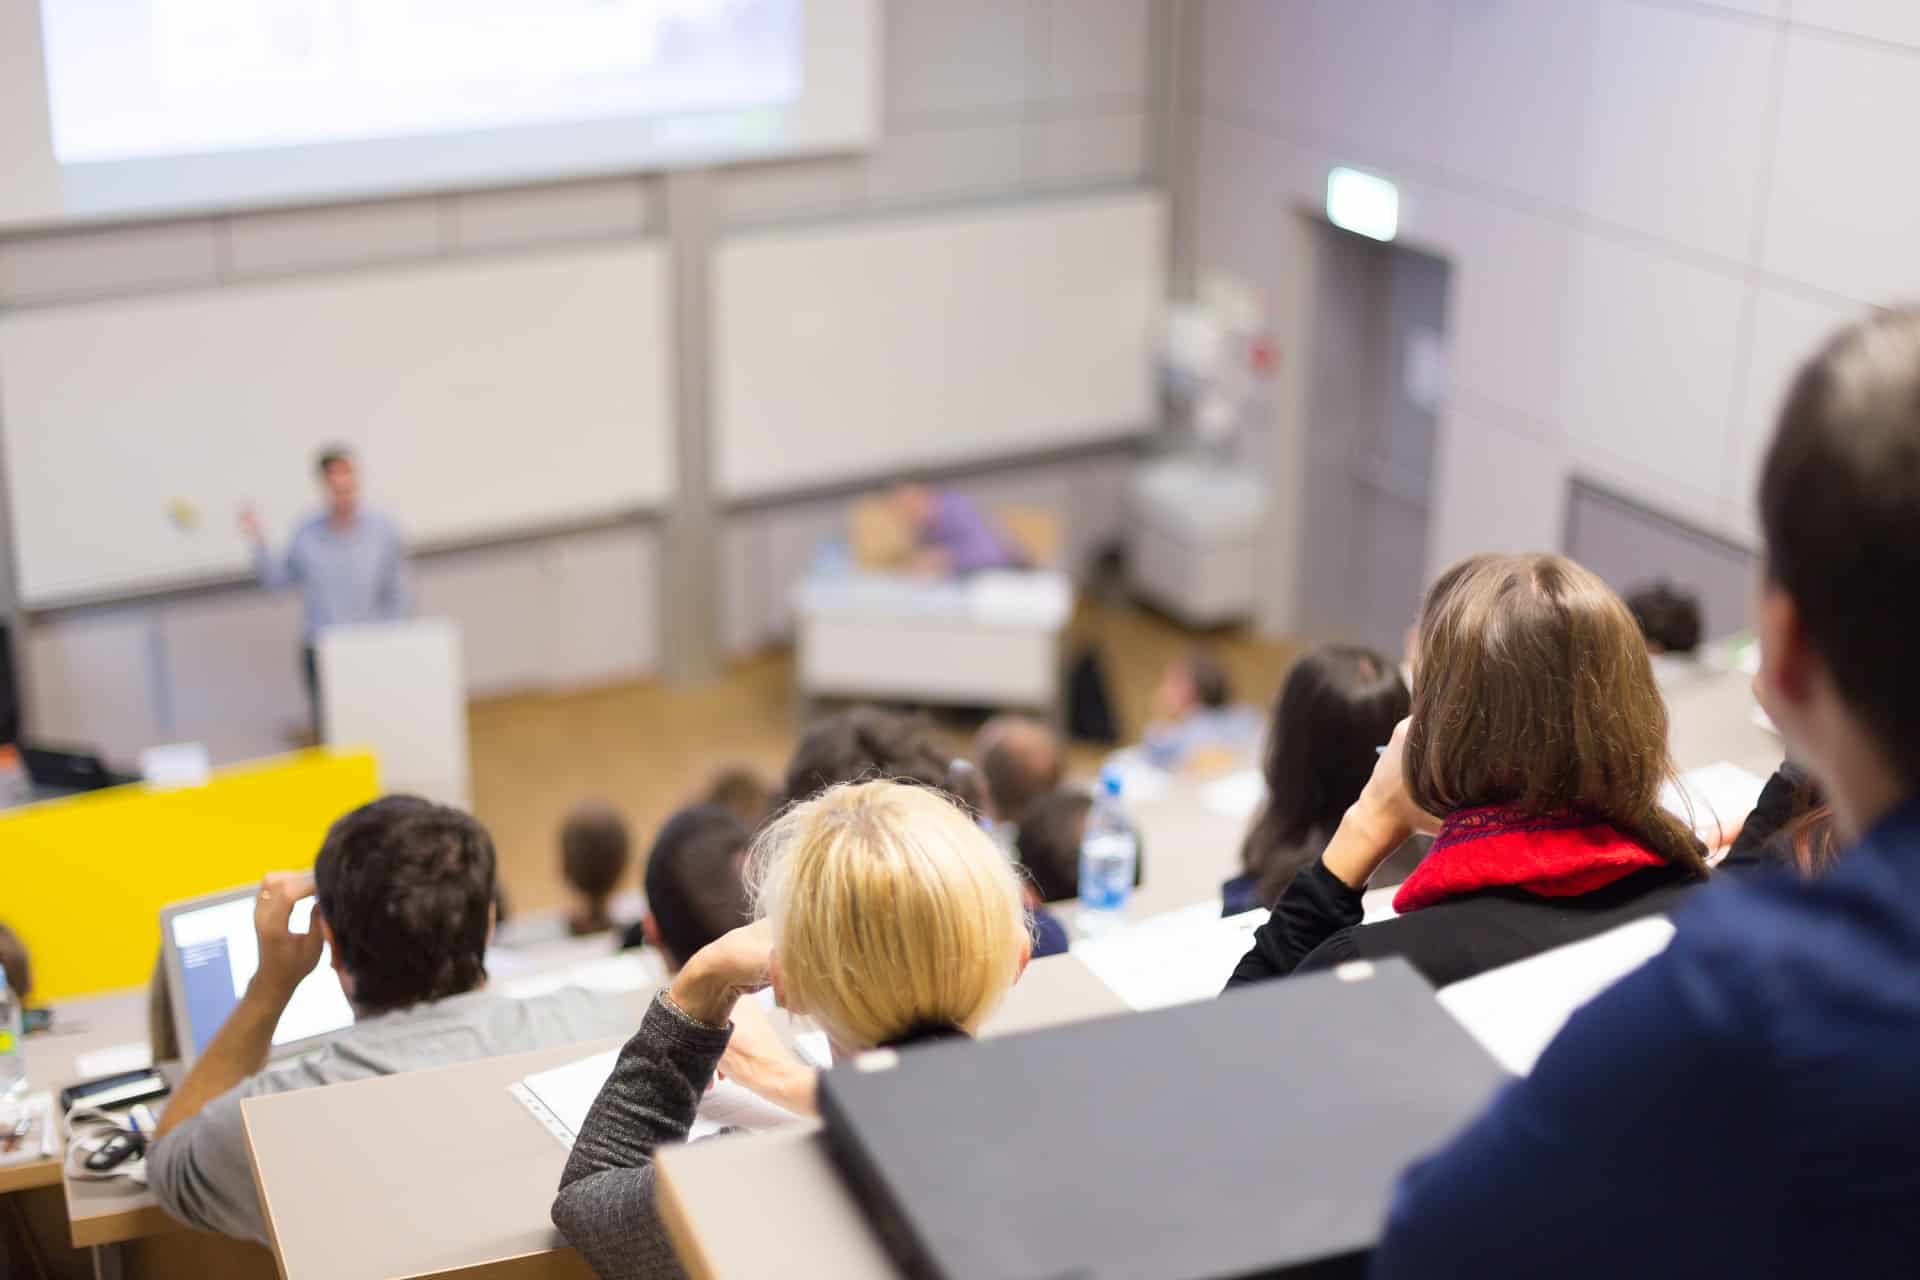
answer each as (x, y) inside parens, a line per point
(348, 562)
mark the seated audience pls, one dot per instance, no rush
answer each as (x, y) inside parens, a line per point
(1669, 618)
(1021, 759)
(404, 899)
(1791, 826)
(1537, 747)
(695, 883)
(948, 535)
(742, 792)
(1049, 845)
(1196, 723)
(890, 919)
(865, 743)
(1743, 1104)
(16, 964)
(1336, 708)
(594, 853)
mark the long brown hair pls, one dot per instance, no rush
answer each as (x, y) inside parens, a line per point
(1534, 691)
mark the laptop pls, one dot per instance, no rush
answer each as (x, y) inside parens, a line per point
(60, 770)
(1257, 1134)
(210, 952)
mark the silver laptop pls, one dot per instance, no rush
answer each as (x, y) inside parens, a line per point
(210, 953)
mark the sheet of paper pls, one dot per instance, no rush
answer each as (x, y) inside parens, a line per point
(561, 1097)
(1175, 958)
(1517, 1010)
(36, 1143)
(133, 1055)
(1715, 798)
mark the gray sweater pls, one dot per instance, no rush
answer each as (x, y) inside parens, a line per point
(605, 1206)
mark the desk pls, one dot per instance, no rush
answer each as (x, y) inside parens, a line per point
(459, 1178)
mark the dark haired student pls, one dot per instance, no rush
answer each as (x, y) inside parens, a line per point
(1744, 1103)
(404, 893)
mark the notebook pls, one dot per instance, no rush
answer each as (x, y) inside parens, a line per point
(1257, 1134)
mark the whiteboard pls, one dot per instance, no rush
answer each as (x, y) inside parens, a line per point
(854, 351)
(484, 396)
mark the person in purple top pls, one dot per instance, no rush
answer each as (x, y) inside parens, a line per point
(954, 538)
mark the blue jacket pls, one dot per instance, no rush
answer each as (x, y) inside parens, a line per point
(1748, 1103)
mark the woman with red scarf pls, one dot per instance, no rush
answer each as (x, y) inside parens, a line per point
(1536, 750)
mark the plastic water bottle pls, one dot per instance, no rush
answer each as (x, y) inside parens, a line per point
(1109, 852)
(13, 1059)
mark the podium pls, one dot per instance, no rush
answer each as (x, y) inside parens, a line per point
(398, 689)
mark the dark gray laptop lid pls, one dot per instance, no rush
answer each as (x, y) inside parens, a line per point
(1251, 1135)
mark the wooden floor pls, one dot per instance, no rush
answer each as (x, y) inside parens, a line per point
(647, 748)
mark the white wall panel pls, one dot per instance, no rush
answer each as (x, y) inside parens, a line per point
(1495, 489)
(1091, 50)
(1377, 76)
(313, 239)
(232, 675)
(497, 596)
(1786, 329)
(1895, 20)
(548, 215)
(837, 352)
(1516, 95)
(89, 681)
(1650, 363)
(1509, 315)
(946, 59)
(945, 163)
(1845, 207)
(1675, 135)
(37, 269)
(600, 617)
(1087, 149)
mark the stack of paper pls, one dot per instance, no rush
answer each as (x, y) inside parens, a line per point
(1715, 799)
(1517, 1010)
(1175, 958)
(560, 1099)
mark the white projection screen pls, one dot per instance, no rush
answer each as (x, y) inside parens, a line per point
(130, 108)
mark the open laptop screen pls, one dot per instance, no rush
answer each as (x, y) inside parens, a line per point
(211, 955)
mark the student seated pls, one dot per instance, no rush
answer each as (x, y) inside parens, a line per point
(1048, 847)
(1021, 759)
(890, 919)
(1743, 1104)
(1669, 618)
(741, 791)
(404, 900)
(594, 852)
(866, 743)
(1536, 747)
(695, 882)
(1196, 723)
(1336, 708)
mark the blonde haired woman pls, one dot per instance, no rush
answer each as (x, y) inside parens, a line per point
(1537, 747)
(888, 917)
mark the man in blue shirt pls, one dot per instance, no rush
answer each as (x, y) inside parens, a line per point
(1748, 1103)
(348, 562)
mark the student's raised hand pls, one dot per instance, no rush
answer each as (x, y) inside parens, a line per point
(756, 1059)
(286, 957)
(734, 965)
(1380, 820)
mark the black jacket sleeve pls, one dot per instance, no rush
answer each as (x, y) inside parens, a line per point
(1313, 921)
(1780, 802)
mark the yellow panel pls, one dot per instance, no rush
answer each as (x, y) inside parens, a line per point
(82, 880)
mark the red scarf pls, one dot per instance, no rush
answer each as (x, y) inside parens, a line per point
(1554, 855)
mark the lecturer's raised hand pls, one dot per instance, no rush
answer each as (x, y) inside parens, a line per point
(286, 957)
(735, 964)
(251, 526)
